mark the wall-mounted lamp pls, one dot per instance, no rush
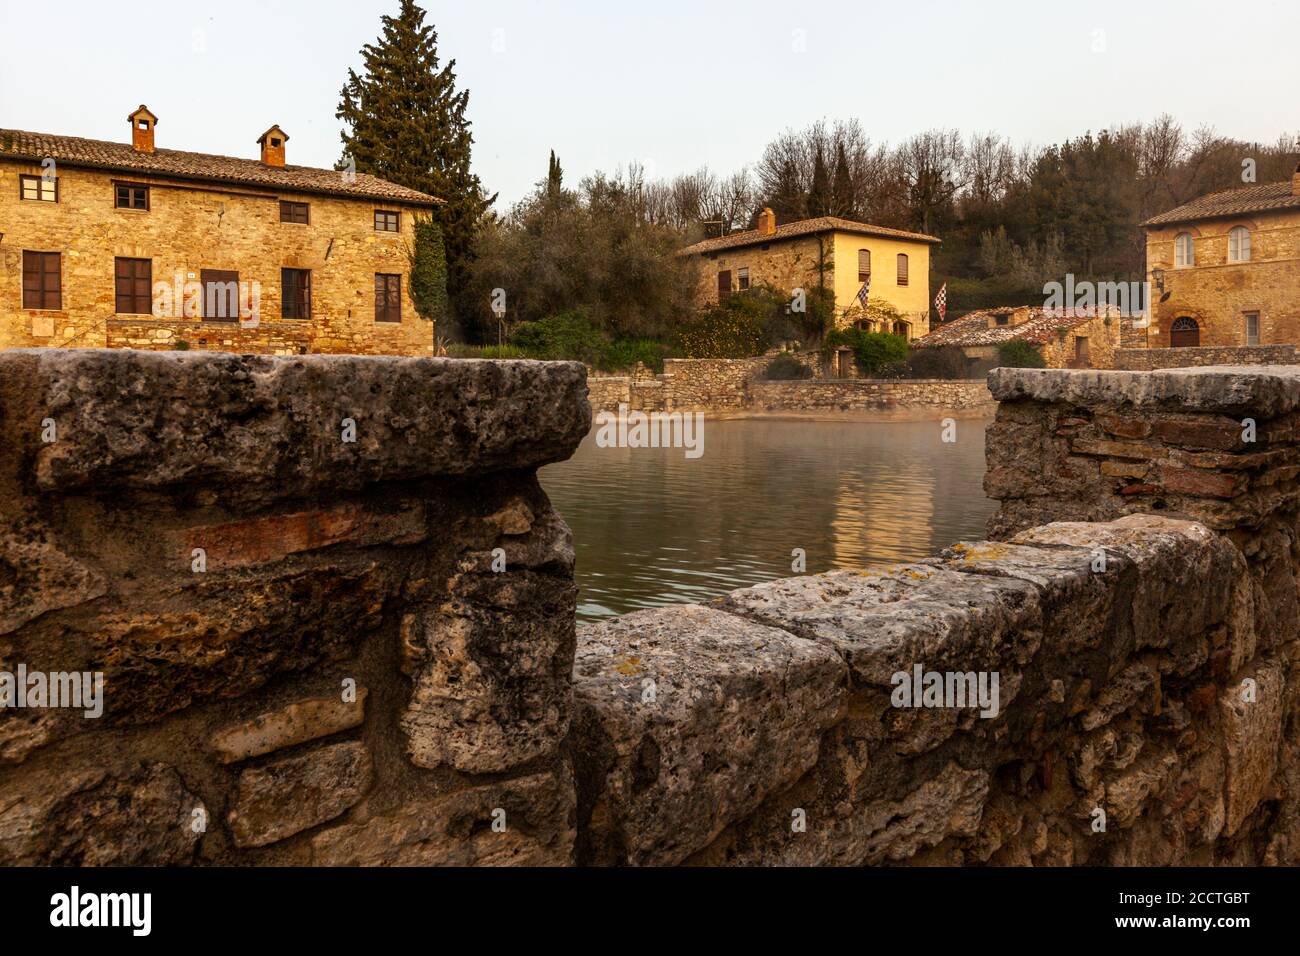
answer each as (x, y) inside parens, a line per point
(1159, 276)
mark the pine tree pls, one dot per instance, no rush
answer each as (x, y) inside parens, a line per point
(842, 203)
(819, 195)
(404, 121)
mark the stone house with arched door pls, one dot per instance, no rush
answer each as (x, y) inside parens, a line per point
(1225, 269)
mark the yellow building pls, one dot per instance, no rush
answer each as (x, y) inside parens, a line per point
(826, 252)
(131, 245)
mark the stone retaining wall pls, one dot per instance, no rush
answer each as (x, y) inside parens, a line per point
(1145, 360)
(307, 655)
(867, 394)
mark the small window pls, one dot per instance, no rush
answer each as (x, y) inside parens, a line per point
(1252, 328)
(295, 293)
(902, 268)
(742, 278)
(39, 189)
(132, 196)
(42, 281)
(386, 221)
(864, 265)
(388, 298)
(1002, 318)
(1239, 244)
(1184, 251)
(133, 279)
(298, 212)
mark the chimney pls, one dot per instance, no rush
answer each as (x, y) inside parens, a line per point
(142, 124)
(272, 143)
(766, 222)
(1295, 182)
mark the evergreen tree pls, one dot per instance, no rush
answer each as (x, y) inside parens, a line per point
(842, 203)
(554, 178)
(788, 200)
(819, 195)
(404, 121)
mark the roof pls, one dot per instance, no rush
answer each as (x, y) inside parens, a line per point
(804, 227)
(1231, 202)
(122, 157)
(973, 328)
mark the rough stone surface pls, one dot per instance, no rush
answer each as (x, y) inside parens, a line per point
(292, 794)
(292, 724)
(689, 718)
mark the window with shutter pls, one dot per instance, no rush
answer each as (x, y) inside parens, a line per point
(864, 265)
(902, 268)
(388, 298)
(42, 281)
(296, 212)
(724, 284)
(295, 293)
(742, 279)
(220, 295)
(133, 280)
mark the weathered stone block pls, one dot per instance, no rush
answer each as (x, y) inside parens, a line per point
(292, 794)
(1252, 733)
(689, 718)
(291, 724)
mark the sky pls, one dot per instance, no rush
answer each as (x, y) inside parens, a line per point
(673, 84)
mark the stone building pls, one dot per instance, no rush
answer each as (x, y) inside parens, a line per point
(128, 245)
(1225, 269)
(826, 252)
(1077, 338)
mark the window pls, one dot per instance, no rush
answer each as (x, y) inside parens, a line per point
(132, 196)
(724, 284)
(386, 221)
(742, 278)
(902, 268)
(42, 281)
(134, 285)
(220, 295)
(298, 212)
(1252, 328)
(1239, 244)
(1184, 252)
(1002, 318)
(39, 188)
(295, 293)
(388, 298)
(864, 265)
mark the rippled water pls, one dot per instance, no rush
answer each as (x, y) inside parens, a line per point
(652, 527)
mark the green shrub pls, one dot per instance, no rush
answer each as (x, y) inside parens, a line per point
(1018, 354)
(565, 335)
(732, 330)
(625, 353)
(873, 350)
(786, 368)
(944, 361)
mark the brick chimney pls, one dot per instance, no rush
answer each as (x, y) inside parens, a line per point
(142, 124)
(272, 143)
(766, 222)
(1295, 182)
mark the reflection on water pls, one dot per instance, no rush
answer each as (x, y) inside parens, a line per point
(652, 527)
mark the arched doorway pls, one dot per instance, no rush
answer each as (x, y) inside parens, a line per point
(1184, 333)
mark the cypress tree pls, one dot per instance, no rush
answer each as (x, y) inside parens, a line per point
(819, 196)
(842, 190)
(404, 121)
(554, 178)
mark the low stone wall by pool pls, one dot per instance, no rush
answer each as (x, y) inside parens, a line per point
(868, 395)
(1145, 360)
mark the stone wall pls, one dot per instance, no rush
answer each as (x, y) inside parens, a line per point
(1144, 360)
(307, 655)
(866, 394)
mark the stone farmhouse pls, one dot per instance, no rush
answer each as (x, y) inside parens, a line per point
(128, 245)
(828, 252)
(1225, 269)
(1078, 338)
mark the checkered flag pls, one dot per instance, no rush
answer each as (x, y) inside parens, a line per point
(941, 301)
(864, 292)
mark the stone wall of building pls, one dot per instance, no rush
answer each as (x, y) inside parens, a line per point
(308, 656)
(190, 227)
(1144, 360)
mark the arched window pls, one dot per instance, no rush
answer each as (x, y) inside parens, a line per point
(864, 265)
(902, 268)
(1184, 252)
(1239, 244)
(1184, 333)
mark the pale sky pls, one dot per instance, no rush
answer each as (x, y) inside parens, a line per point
(672, 84)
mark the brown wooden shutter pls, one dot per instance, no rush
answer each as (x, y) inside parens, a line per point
(724, 284)
(42, 281)
(218, 303)
(388, 298)
(902, 268)
(133, 282)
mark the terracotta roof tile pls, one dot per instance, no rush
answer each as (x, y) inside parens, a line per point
(804, 227)
(1231, 202)
(121, 157)
(973, 329)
